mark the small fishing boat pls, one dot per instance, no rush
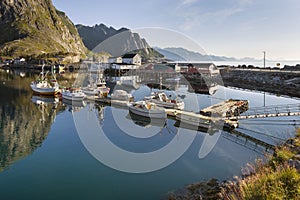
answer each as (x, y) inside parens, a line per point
(121, 95)
(96, 89)
(73, 94)
(147, 109)
(90, 90)
(43, 86)
(101, 86)
(160, 98)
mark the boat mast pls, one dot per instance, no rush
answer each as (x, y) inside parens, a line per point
(43, 71)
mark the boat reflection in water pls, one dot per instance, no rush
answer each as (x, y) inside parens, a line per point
(99, 109)
(74, 106)
(146, 121)
(44, 99)
(202, 127)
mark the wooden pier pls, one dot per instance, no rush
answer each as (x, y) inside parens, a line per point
(196, 119)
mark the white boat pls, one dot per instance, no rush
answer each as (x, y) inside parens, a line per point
(121, 95)
(147, 109)
(43, 86)
(161, 99)
(96, 89)
(73, 94)
(101, 86)
(90, 90)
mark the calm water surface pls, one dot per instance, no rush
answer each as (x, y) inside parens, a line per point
(42, 155)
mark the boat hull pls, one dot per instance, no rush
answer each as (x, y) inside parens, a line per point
(45, 90)
(148, 113)
(73, 98)
(73, 95)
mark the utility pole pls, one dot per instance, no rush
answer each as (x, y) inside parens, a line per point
(264, 68)
(264, 59)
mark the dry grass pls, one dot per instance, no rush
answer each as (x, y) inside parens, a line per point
(272, 180)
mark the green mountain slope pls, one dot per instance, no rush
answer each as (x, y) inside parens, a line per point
(35, 28)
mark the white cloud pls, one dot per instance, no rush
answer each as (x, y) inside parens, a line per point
(188, 2)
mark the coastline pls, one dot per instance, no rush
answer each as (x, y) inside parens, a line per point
(277, 82)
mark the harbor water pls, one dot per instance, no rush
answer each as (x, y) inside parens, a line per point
(52, 149)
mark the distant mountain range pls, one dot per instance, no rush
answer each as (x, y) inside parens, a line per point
(181, 54)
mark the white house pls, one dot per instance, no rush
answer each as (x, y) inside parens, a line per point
(132, 58)
(112, 60)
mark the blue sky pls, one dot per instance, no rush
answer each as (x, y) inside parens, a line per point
(237, 28)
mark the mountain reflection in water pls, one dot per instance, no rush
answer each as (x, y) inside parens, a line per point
(25, 119)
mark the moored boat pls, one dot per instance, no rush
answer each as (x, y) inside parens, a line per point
(121, 95)
(45, 87)
(102, 88)
(96, 89)
(73, 94)
(160, 98)
(147, 109)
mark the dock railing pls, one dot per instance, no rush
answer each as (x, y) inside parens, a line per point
(269, 111)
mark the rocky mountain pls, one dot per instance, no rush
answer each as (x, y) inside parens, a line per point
(36, 28)
(94, 35)
(116, 42)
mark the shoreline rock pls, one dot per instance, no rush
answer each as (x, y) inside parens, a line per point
(275, 82)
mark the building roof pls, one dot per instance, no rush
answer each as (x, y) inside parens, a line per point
(129, 55)
(115, 57)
